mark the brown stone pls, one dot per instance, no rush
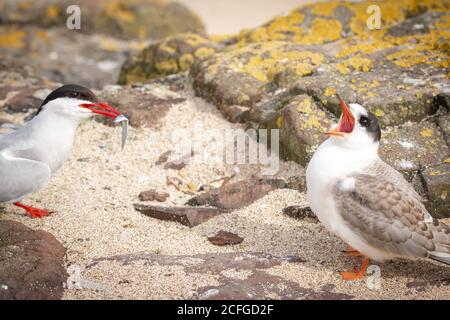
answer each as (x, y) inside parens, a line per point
(237, 114)
(413, 145)
(300, 213)
(302, 126)
(137, 19)
(237, 195)
(436, 181)
(140, 104)
(444, 125)
(163, 158)
(32, 263)
(224, 238)
(151, 195)
(22, 101)
(187, 216)
(297, 183)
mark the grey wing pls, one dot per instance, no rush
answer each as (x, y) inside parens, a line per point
(382, 169)
(19, 177)
(390, 218)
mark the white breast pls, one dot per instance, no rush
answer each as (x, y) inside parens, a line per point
(328, 165)
(46, 138)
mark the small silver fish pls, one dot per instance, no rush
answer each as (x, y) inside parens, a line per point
(124, 121)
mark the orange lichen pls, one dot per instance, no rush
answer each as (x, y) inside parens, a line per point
(12, 38)
(321, 31)
(330, 91)
(356, 63)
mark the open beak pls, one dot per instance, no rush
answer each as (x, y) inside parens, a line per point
(102, 109)
(346, 122)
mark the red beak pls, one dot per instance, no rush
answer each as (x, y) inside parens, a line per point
(346, 122)
(102, 109)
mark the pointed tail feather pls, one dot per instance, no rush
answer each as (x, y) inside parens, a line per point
(441, 257)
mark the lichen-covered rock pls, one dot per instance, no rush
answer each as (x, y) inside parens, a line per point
(322, 22)
(21, 89)
(398, 76)
(413, 146)
(143, 105)
(66, 56)
(172, 55)
(302, 124)
(437, 183)
(444, 125)
(138, 19)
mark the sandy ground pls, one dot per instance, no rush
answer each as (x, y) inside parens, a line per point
(93, 194)
(231, 16)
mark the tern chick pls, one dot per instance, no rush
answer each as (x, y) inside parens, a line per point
(366, 202)
(31, 154)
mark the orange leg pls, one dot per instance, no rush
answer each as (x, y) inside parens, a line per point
(352, 252)
(358, 274)
(32, 212)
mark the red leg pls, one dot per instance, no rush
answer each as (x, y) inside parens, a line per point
(358, 274)
(352, 252)
(32, 212)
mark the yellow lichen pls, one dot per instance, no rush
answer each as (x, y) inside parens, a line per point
(330, 91)
(265, 61)
(41, 34)
(356, 63)
(167, 66)
(119, 11)
(204, 52)
(12, 39)
(279, 122)
(52, 12)
(324, 8)
(186, 61)
(314, 121)
(109, 44)
(379, 113)
(166, 48)
(194, 40)
(374, 84)
(305, 106)
(280, 28)
(320, 31)
(426, 133)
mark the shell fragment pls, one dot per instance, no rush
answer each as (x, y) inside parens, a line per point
(124, 121)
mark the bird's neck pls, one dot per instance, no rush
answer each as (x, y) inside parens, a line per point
(53, 136)
(339, 161)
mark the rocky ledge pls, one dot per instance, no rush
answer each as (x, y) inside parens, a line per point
(285, 73)
(32, 263)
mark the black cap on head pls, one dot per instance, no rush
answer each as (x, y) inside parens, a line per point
(371, 125)
(70, 91)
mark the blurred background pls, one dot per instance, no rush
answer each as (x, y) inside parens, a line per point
(230, 16)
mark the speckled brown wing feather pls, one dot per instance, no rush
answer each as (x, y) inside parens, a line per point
(391, 217)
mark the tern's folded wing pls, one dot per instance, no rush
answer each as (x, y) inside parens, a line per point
(388, 217)
(20, 177)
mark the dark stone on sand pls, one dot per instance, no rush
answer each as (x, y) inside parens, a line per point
(31, 264)
(237, 195)
(187, 216)
(224, 238)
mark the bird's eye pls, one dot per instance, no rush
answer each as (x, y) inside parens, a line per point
(74, 94)
(364, 121)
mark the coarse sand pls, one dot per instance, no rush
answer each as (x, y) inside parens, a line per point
(92, 197)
